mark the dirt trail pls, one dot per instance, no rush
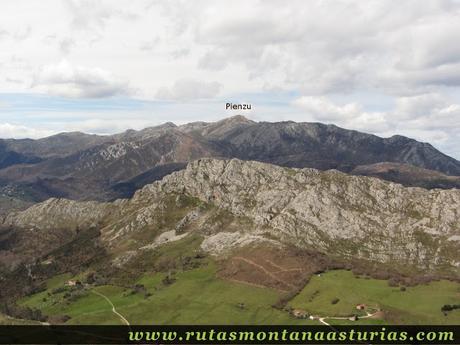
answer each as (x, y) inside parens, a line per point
(263, 269)
(323, 318)
(282, 269)
(323, 322)
(113, 307)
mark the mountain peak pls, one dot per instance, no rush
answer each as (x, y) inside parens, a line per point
(220, 128)
(236, 119)
(165, 125)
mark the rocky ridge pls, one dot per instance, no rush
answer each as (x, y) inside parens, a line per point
(338, 214)
(103, 168)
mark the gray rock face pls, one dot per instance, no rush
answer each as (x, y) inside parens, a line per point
(341, 215)
(320, 146)
(103, 168)
(59, 214)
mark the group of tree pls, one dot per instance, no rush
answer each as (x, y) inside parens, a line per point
(449, 307)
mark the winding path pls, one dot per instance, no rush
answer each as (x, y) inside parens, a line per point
(113, 307)
(323, 318)
(282, 269)
(263, 269)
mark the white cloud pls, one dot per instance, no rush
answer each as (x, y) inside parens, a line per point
(67, 80)
(66, 44)
(209, 50)
(94, 14)
(398, 49)
(324, 110)
(8, 130)
(3, 34)
(185, 90)
(349, 115)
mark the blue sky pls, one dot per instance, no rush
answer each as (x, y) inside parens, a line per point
(104, 66)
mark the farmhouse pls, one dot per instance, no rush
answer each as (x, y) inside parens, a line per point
(360, 306)
(299, 314)
(73, 283)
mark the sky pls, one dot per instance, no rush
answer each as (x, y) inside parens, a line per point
(378, 66)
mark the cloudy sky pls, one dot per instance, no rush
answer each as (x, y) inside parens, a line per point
(383, 67)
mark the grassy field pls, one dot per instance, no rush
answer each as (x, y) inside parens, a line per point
(197, 297)
(417, 305)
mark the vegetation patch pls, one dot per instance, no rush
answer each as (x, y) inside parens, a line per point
(196, 297)
(419, 304)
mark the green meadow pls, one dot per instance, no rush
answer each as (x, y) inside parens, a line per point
(196, 297)
(420, 304)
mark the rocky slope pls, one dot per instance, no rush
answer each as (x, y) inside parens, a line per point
(320, 146)
(340, 215)
(88, 167)
(9, 157)
(93, 173)
(408, 175)
(62, 144)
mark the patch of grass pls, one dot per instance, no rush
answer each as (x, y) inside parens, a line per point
(416, 305)
(196, 297)
(58, 280)
(6, 320)
(169, 256)
(42, 299)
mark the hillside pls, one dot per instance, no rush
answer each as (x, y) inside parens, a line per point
(88, 167)
(341, 215)
(408, 175)
(244, 222)
(319, 146)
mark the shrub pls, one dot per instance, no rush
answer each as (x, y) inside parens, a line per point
(58, 290)
(168, 280)
(393, 282)
(449, 307)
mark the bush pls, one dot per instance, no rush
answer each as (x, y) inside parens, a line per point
(200, 255)
(90, 278)
(58, 290)
(449, 307)
(24, 313)
(74, 295)
(393, 282)
(30, 290)
(281, 303)
(168, 280)
(139, 288)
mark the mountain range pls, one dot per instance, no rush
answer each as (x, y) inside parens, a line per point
(90, 167)
(228, 206)
(267, 206)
